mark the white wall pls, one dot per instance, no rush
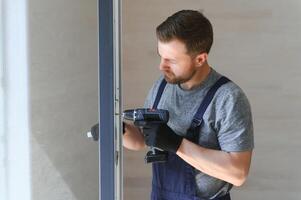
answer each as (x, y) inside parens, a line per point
(257, 44)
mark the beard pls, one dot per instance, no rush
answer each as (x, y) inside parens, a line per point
(171, 78)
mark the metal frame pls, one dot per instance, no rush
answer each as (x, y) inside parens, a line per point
(110, 140)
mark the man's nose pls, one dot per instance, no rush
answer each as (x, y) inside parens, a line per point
(163, 65)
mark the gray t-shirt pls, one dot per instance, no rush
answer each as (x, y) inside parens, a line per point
(227, 122)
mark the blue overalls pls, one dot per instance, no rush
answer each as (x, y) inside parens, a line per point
(175, 179)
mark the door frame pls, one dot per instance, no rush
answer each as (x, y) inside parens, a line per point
(110, 104)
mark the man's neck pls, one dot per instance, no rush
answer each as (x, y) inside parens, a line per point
(197, 79)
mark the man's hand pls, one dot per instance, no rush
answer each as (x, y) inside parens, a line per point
(132, 137)
(162, 137)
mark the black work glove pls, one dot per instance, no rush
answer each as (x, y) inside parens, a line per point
(162, 137)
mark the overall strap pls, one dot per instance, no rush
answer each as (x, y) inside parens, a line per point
(159, 93)
(198, 117)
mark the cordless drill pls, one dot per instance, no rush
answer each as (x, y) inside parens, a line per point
(146, 117)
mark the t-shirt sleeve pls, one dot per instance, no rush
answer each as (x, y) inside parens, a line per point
(234, 117)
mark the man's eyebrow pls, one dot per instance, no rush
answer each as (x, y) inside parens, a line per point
(166, 58)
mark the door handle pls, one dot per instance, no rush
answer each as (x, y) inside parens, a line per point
(94, 132)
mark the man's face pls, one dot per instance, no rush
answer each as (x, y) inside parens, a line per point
(178, 67)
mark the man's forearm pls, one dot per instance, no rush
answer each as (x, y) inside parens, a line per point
(132, 138)
(231, 167)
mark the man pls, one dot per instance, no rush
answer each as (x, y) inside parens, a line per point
(209, 136)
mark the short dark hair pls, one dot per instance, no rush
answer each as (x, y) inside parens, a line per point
(190, 27)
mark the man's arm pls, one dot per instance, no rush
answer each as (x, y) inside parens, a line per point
(133, 138)
(232, 167)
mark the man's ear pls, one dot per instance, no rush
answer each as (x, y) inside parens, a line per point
(201, 58)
